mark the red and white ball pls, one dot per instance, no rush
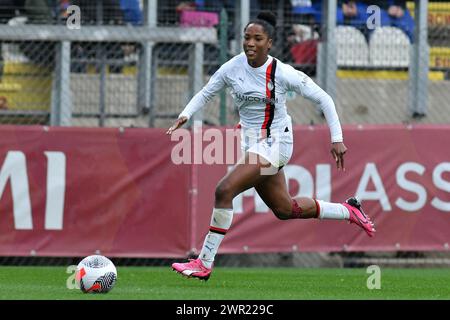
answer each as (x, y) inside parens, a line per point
(96, 274)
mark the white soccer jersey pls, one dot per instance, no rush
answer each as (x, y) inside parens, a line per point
(260, 94)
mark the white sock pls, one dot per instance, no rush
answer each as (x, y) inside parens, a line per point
(210, 247)
(220, 223)
(334, 211)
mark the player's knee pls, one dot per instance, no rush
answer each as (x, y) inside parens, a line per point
(282, 213)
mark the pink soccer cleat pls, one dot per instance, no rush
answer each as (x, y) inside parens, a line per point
(358, 217)
(194, 268)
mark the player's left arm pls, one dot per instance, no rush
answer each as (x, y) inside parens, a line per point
(304, 85)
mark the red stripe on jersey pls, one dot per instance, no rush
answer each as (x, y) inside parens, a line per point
(268, 95)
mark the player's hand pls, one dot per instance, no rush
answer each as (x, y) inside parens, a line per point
(338, 149)
(177, 124)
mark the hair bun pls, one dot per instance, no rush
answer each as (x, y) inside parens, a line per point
(268, 17)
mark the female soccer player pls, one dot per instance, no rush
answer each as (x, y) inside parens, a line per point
(259, 84)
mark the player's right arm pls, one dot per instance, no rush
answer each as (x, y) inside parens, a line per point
(214, 85)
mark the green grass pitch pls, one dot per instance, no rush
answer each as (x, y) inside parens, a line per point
(152, 283)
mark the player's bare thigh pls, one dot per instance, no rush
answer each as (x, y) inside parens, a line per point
(245, 174)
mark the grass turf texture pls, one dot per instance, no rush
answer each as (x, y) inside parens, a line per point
(231, 283)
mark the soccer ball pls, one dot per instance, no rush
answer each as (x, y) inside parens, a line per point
(96, 274)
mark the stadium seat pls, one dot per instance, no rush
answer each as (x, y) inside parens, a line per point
(389, 47)
(352, 48)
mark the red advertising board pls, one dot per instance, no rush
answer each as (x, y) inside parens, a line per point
(123, 196)
(119, 192)
(402, 175)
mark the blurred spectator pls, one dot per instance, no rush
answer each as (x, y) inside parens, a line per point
(197, 18)
(170, 11)
(303, 37)
(101, 12)
(37, 11)
(395, 13)
(304, 24)
(308, 17)
(348, 12)
(132, 13)
(186, 5)
(167, 13)
(216, 6)
(30, 12)
(62, 9)
(354, 13)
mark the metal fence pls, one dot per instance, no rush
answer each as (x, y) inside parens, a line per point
(141, 71)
